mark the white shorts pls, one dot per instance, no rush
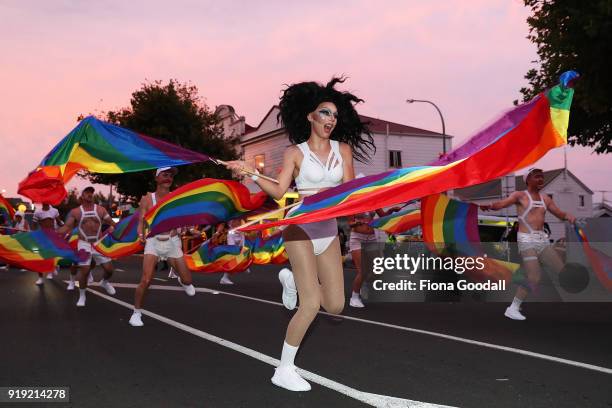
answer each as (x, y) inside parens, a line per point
(357, 238)
(92, 253)
(170, 248)
(537, 241)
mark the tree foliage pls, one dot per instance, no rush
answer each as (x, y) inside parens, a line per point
(576, 35)
(175, 113)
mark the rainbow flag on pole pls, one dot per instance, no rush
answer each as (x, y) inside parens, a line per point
(100, 147)
(268, 250)
(515, 141)
(205, 201)
(220, 258)
(37, 251)
(601, 263)
(123, 241)
(398, 222)
(7, 210)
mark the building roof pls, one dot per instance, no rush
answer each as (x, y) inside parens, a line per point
(603, 209)
(376, 126)
(493, 188)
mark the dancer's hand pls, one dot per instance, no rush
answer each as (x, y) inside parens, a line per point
(570, 218)
(238, 166)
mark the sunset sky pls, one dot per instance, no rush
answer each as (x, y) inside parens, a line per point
(65, 58)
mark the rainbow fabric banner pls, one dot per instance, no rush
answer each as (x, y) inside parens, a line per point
(514, 142)
(73, 238)
(445, 221)
(397, 222)
(37, 251)
(205, 201)
(220, 258)
(100, 147)
(601, 263)
(6, 210)
(123, 241)
(268, 250)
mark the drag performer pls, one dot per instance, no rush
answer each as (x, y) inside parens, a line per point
(89, 218)
(159, 247)
(326, 133)
(533, 243)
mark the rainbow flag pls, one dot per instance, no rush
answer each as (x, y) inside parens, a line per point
(6, 210)
(73, 239)
(205, 201)
(220, 258)
(267, 250)
(445, 221)
(123, 241)
(37, 251)
(398, 222)
(601, 263)
(514, 142)
(100, 147)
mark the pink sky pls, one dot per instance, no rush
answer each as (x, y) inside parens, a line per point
(64, 58)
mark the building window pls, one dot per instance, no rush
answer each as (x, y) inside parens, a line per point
(260, 163)
(395, 158)
(581, 200)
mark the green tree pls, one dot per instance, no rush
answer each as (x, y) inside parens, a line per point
(175, 113)
(576, 35)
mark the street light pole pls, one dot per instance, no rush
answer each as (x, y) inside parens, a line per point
(441, 118)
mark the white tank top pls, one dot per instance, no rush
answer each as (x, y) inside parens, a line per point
(314, 174)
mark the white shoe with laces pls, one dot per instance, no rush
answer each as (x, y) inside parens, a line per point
(285, 276)
(108, 287)
(225, 280)
(356, 302)
(287, 377)
(514, 313)
(39, 281)
(189, 289)
(136, 320)
(49, 275)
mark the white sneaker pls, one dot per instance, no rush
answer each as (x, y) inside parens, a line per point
(189, 289)
(356, 302)
(40, 281)
(81, 301)
(514, 314)
(70, 285)
(288, 378)
(90, 278)
(49, 275)
(108, 287)
(225, 280)
(285, 276)
(172, 275)
(136, 320)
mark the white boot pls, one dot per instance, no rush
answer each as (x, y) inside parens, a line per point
(285, 276)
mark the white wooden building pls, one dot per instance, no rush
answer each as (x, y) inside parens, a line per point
(568, 192)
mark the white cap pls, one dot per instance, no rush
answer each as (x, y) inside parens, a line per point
(174, 170)
(531, 170)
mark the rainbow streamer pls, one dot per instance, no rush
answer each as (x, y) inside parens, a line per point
(445, 221)
(220, 258)
(398, 222)
(123, 241)
(514, 142)
(601, 263)
(6, 210)
(37, 251)
(268, 249)
(206, 201)
(100, 147)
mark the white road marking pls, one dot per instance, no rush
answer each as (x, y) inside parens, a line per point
(374, 400)
(541, 356)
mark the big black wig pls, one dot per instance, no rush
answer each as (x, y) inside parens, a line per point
(298, 100)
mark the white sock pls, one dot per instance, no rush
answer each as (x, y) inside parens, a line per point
(82, 293)
(137, 311)
(288, 354)
(355, 295)
(516, 303)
